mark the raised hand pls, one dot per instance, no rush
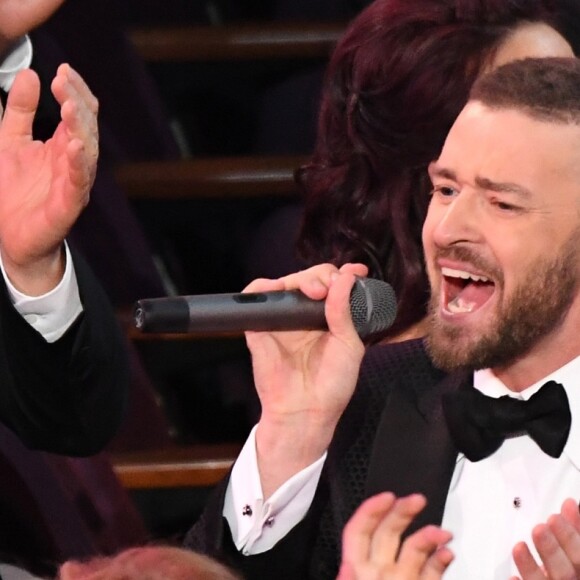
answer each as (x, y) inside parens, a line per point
(44, 186)
(558, 544)
(371, 542)
(304, 378)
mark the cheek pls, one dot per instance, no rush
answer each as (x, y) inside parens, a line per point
(523, 250)
(429, 251)
(427, 227)
(427, 234)
(516, 263)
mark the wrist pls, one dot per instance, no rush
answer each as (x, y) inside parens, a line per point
(37, 276)
(284, 451)
(299, 440)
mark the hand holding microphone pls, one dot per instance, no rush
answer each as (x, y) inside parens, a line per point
(304, 379)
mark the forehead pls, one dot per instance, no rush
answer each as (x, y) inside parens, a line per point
(509, 146)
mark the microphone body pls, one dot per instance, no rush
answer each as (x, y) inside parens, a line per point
(372, 304)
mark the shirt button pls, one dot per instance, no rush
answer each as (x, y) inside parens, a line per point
(270, 521)
(247, 511)
(517, 502)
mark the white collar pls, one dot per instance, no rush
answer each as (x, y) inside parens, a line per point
(568, 376)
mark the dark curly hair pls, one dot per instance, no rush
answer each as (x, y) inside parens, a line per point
(395, 83)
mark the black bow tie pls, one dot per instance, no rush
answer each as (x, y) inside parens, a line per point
(479, 424)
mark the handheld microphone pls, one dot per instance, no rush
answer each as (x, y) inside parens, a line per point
(373, 308)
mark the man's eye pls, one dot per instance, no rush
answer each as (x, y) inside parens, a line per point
(506, 207)
(443, 190)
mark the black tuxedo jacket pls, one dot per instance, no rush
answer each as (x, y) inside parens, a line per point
(392, 436)
(66, 397)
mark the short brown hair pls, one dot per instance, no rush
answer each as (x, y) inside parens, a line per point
(546, 89)
(148, 563)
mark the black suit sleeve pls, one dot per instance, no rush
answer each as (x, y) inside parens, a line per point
(69, 396)
(289, 559)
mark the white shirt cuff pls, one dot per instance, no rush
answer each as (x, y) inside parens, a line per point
(52, 313)
(256, 525)
(18, 59)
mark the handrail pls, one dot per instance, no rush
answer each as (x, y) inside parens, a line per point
(223, 177)
(188, 466)
(245, 41)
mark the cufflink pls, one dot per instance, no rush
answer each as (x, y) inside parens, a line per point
(247, 511)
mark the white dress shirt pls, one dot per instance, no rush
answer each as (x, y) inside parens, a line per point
(50, 314)
(492, 504)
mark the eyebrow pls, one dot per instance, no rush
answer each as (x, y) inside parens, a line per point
(437, 171)
(481, 182)
(507, 187)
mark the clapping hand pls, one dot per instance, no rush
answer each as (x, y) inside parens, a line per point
(558, 544)
(372, 548)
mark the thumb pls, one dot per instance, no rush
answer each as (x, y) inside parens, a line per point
(21, 107)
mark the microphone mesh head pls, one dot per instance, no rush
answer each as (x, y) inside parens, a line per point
(373, 306)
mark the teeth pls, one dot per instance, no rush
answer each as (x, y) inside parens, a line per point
(460, 306)
(463, 274)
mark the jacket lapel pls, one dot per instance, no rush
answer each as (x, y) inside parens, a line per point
(413, 451)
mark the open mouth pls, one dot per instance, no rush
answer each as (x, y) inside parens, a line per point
(465, 292)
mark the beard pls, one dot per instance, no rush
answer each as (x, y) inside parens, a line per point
(536, 307)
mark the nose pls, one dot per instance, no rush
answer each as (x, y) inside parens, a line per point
(454, 221)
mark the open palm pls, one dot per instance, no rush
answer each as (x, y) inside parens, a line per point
(44, 185)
